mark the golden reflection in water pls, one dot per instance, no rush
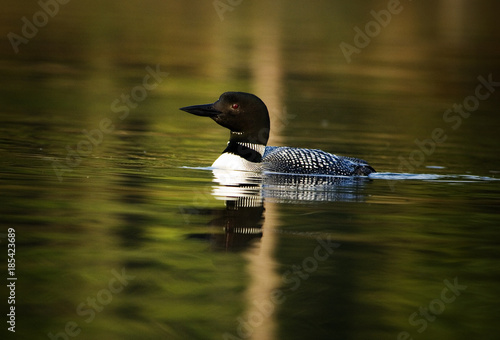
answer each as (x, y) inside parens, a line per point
(452, 21)
(267, 74)
(267, 71)
(264, 280)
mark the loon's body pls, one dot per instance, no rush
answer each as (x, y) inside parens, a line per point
(248, 119)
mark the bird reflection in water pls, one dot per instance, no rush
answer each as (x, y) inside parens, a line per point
(237, 226)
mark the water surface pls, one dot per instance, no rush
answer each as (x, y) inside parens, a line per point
(122, 232)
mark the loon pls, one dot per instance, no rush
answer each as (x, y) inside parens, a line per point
(246, 116)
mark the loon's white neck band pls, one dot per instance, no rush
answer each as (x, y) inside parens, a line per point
(252, 152)
(256, 147)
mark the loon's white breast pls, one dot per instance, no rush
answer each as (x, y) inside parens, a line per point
(229, 161)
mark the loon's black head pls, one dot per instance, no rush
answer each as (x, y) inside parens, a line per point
(242, 113)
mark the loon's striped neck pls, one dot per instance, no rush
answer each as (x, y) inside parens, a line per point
(250, 151)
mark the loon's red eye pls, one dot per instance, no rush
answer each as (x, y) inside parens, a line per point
(235, 106)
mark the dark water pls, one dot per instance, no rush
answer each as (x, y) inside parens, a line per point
(121, 232)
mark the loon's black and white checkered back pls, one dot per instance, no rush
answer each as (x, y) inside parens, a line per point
(312, 161)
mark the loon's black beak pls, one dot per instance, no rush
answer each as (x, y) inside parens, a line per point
(205, 110)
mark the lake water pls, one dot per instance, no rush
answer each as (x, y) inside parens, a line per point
(123, 232)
